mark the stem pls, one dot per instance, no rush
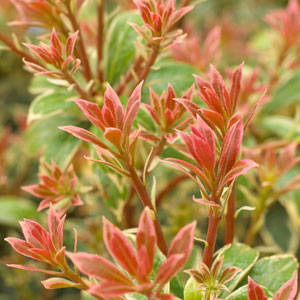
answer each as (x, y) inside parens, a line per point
(184, 3)
(146, 69)
(128, 210)
(257, 219)
(230, 219)
(143, 195)
(83, 54)
(156, 152)
(129, 76)
(70, 78)
(172, 184)
(8, 42)
(211, 238)
(100, 39)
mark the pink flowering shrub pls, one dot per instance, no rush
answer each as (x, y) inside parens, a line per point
(128, 106)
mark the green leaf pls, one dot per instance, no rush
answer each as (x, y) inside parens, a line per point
(13, 209)
(44, 135)
(242, 293)
(191, 291)
(50, 103)
(272, 272)
(180, 76)
(119, 49)
(136, 296)
(277, 224)
(144, 119)
(240, 256)
(281, 126)
(85, 296)
(287, 94)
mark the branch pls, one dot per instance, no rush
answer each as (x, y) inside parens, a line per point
(135, 68)
(9, 43)
(82, 51)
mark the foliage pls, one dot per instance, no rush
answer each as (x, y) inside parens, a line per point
(130, 121)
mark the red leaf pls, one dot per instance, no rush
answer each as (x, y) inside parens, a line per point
(32, 269)
(120, 248)
(114, 135)
(70, 44)
(177, 162)
(289, 290)
(113, 111)
(98, 267)
(92, 112)
(235, 89)
(132, 108)
(256, 106)
(169, 268)
(58, 283)
(183, 242)
(206, 202)
(239, 168)
(230, 148)
(22, 247)
(255, 292)
(178, 14)
(145, 243)
(56, 227)
(214, 118)
(109, 289)
(84, 135)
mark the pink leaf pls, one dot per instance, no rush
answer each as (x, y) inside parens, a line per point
(146, 239)
(22, 247)
(98, 267)
(114, 135)
(132, 108)
(120, 248)
(179, 14)
(257, 105)
(55, 42)
(177, 162)
(235, 89)
(112, 101)
(255, 292)
(289, 290)
(92, 112)
(70, 44)
(240, 167)
(32, 269)
(58, 283)
(206, 202)
(109, 289)
(183, 242)
(230, 148)
(169, 268)
(84, 135)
